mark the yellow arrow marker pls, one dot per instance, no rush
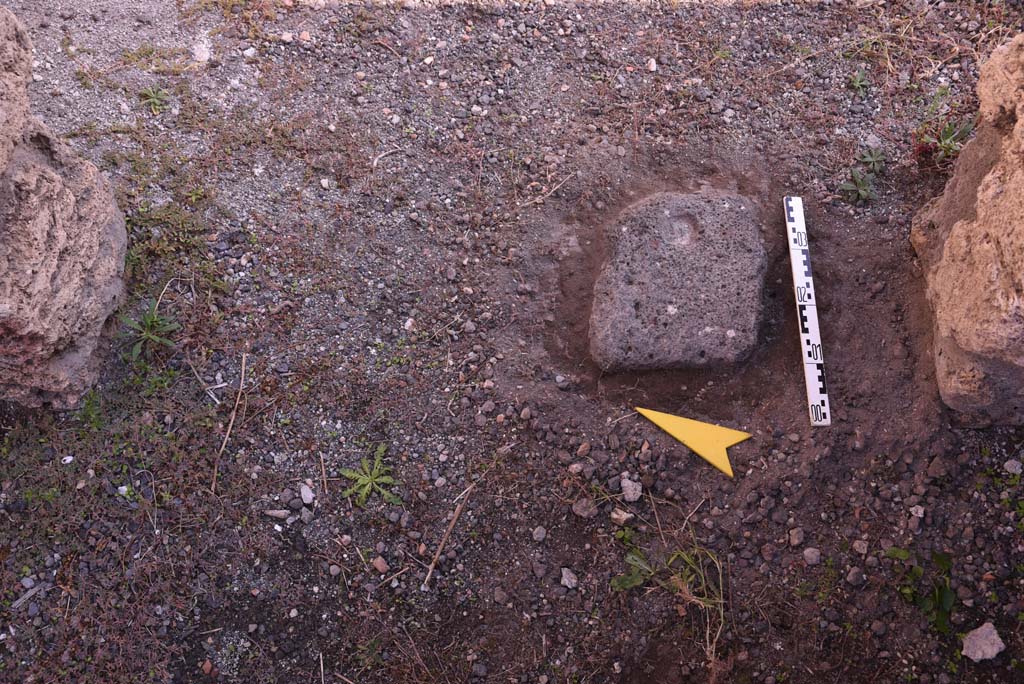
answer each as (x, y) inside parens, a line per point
(704, 439)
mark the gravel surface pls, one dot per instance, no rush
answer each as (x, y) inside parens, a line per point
(377, 226)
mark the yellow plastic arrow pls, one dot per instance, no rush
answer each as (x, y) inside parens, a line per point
(704, 439)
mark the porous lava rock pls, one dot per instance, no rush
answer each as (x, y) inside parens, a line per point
(971, 243)
(62, 246)
(682, 284)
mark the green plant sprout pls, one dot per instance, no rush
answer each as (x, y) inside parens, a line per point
(949, 140)
(936, 600)
(860, 188)
(369, 479)
(859, 82)
(157, 99)
(693, 574)
(873, 159)
(150, 330)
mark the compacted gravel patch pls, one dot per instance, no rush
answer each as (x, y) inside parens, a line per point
(377, 448)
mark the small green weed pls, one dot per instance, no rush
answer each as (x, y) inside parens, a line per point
(91, 414)
(150, 381)
(195, 195)
(896, 553)
(369, 653)
(859, 82)
(639, 572)
(48, 495)
(84, 79)
(158, 60)
(827, 583)
(936, 599)
(873, 159)
(860, 188)
(151, 330)
(157, 99)
(941, 142)
(370, 479)
(693, 574)
(937, 141)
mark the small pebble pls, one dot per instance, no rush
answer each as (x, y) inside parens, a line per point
(621, 517)
(631, 490)
(855, 576)
(585, 508)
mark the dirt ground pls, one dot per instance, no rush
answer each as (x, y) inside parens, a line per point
(378, 226)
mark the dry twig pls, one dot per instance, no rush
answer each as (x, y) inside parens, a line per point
(538, 200)
(231, 425)
(444, 539)
(202, 383)
(657, 519)
(376, 160)
(323, 473)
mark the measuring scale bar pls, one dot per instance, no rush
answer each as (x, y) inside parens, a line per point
(811, 351)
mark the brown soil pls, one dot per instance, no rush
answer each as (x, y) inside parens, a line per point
(407, 268)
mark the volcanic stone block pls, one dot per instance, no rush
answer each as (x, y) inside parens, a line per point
(971, 243)
(15, 69)
(682, 286)
(62, 247)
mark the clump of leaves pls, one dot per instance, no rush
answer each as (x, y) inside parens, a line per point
(693, 574)
(944, 129)
(91, 413)
(368, 479)
(940, 143)
(935, 599)
(84, 79)
(873, 159)
(150, 330)
(859, 82)
(639, 571)
(896, 553)
(157, 99)
(860, 188)
(369, 653)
